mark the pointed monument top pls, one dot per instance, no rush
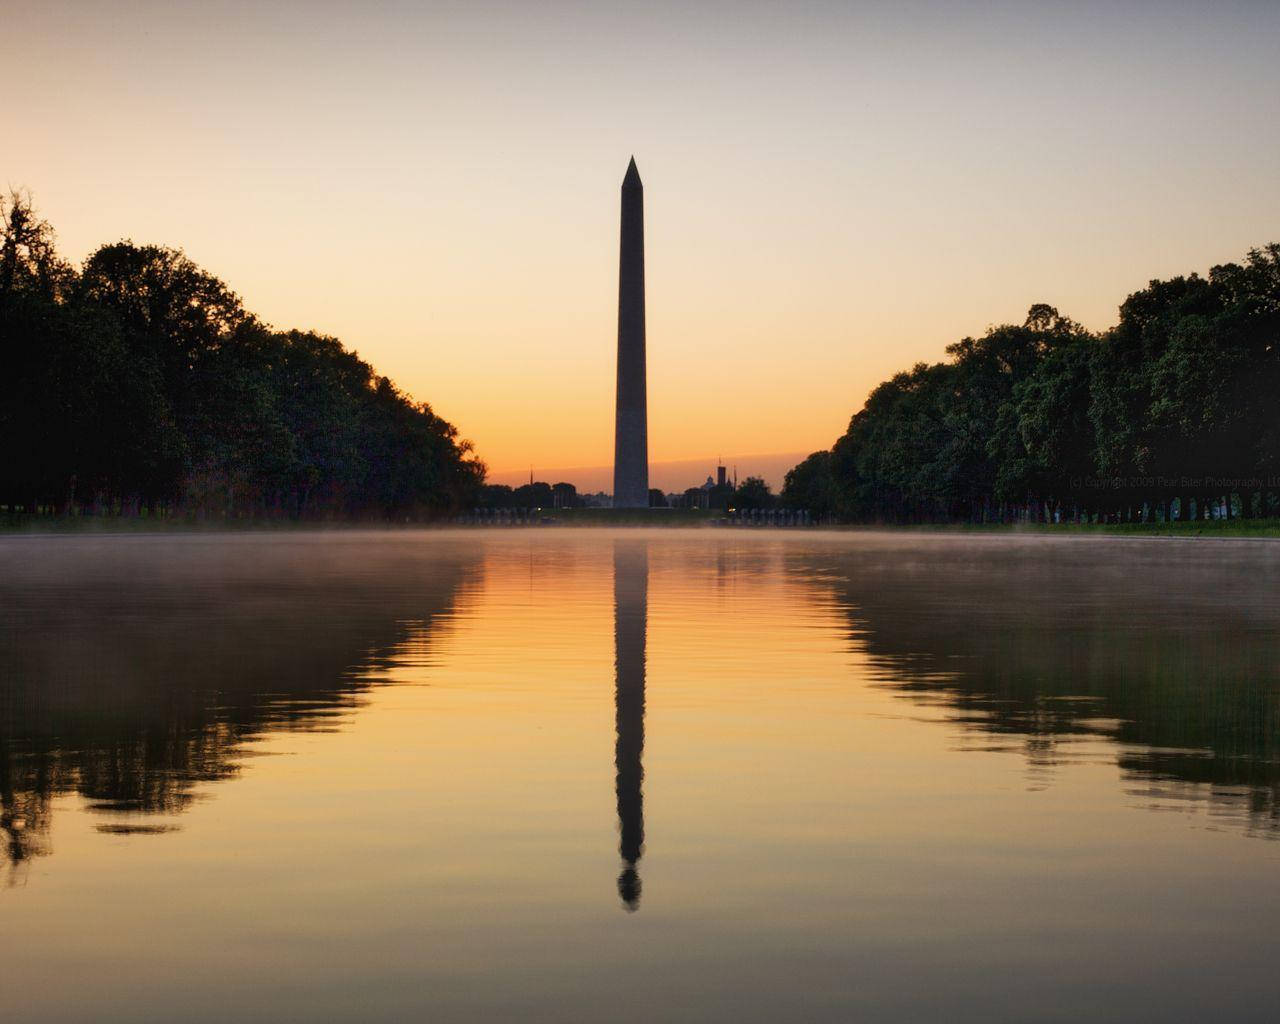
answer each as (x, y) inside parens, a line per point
(632, 180)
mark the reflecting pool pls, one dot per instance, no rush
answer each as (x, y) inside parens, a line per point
(578, 775)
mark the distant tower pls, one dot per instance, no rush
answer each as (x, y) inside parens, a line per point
(631, 434)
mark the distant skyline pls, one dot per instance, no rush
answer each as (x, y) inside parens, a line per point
(834, 191)
(675, 475)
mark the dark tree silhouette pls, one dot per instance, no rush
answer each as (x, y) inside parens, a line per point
(811, 485)
(753, 492)
(1169, 412)
(141, 384)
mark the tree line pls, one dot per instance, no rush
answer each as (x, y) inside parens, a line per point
(752, 492)
(535, 494)
(1170, 414)
(139, 384)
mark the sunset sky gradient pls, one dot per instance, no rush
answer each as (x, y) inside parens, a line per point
(834, 191)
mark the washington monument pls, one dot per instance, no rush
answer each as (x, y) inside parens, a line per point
(631, 434)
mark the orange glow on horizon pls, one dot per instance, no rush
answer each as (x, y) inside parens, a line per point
(824, 207)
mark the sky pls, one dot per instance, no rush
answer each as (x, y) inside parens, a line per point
(834, 191)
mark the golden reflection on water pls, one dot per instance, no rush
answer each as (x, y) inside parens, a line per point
(383, 774)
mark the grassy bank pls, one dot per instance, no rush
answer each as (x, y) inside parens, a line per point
(598, 517)
(1204, 528)
(703, 517)
(609, 517)
(1195, 528)
(79, 525)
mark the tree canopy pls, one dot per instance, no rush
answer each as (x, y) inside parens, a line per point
(1171, 412)
(141, 382)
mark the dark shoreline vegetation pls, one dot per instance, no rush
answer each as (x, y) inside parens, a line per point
(1170, 416)
(602, 518)
(138, 387)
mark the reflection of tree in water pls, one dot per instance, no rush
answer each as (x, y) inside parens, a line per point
(1171, 650)
(142, 669)
(630, 610)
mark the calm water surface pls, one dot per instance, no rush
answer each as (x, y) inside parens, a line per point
(638, 776)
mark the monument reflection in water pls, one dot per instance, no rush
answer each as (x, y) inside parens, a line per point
(630, 613)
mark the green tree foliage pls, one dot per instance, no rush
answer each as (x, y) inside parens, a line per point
(811, 485)
(142, 382)
(1045, 420)
(538, 494)
(565, 495)
(753, 492)
(496, 496)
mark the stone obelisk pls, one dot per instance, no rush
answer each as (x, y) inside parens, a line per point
(631, 434)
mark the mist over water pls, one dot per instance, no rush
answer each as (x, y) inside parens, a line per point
(642, 775)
